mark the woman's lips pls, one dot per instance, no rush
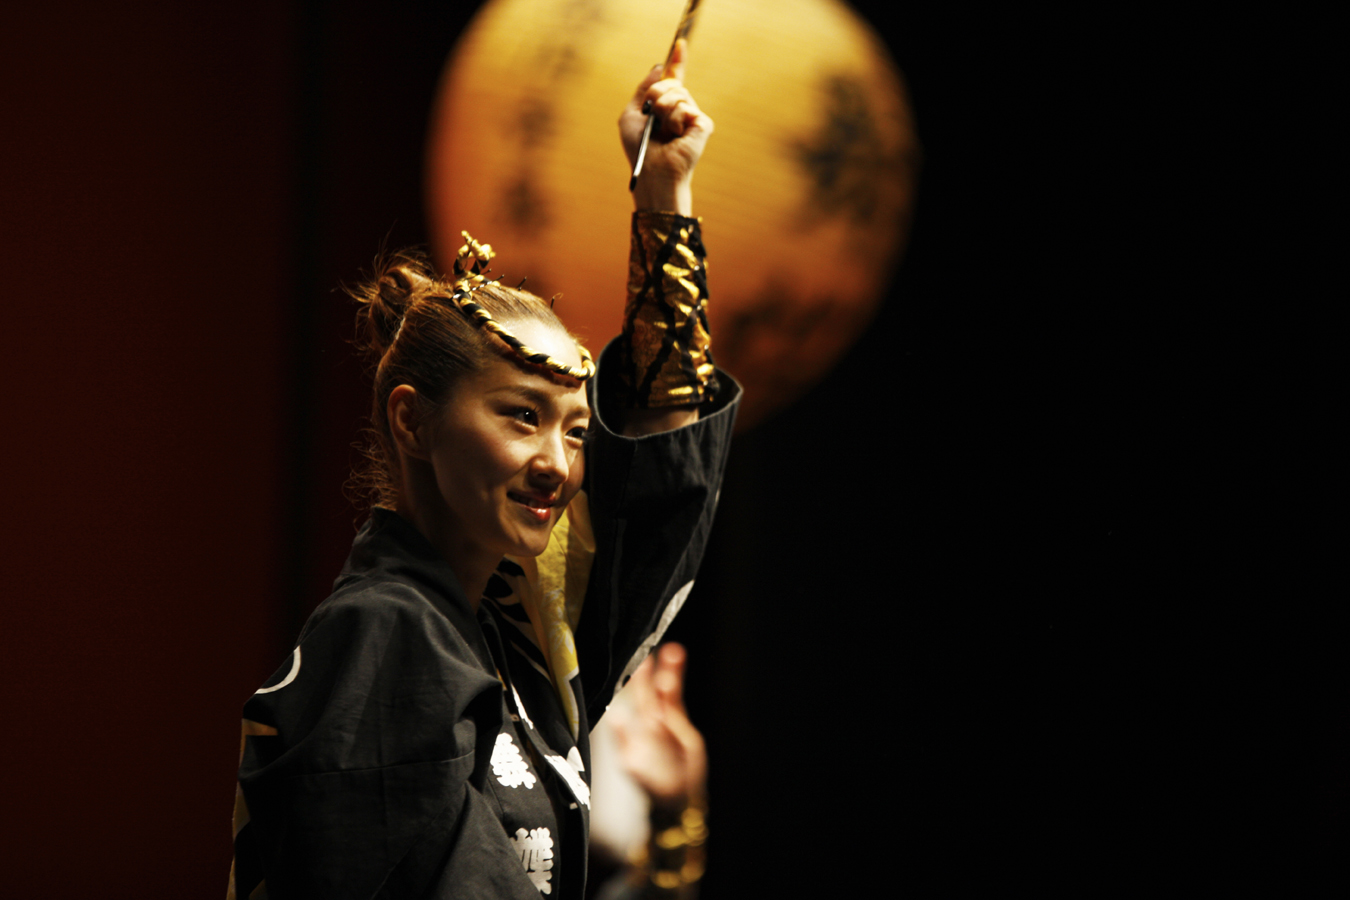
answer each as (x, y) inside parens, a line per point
(540, 506)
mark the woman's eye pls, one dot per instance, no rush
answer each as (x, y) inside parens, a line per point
(581, 433)
(525, 415)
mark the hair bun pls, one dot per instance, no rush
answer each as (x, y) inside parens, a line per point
(386, 298)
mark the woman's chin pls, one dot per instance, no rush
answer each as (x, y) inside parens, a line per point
(531, 545)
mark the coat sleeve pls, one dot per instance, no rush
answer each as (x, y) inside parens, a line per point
(652, 500)
(363, 761)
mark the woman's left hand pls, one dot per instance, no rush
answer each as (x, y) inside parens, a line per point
(678, 137)
(658, 745)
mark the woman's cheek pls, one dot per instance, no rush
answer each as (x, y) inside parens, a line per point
(576, 473)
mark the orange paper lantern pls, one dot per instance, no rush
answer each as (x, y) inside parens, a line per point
(804, 189)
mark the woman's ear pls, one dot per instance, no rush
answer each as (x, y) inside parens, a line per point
(405, 424)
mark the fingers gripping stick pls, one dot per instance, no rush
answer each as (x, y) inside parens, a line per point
(681, 33)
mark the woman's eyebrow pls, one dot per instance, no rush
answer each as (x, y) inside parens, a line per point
(526, 393)
(542, 399)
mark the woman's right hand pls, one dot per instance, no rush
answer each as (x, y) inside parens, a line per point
(678, 138)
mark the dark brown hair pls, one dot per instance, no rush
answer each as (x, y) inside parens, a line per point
(412, 333)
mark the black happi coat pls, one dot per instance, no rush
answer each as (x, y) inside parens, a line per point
(412, 748)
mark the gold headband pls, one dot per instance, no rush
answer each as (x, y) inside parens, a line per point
(471, 268)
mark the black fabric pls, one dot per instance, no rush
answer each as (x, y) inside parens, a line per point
(652, 502)
(380, 778)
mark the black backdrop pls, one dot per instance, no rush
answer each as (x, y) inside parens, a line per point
(1023, 595)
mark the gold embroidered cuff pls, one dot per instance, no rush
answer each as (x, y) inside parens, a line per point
(667, 356)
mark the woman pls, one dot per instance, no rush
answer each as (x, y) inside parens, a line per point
(535, 524)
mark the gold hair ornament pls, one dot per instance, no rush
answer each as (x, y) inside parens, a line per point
(471, 268)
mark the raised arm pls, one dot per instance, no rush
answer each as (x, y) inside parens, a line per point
(668, 369)
(664, 413)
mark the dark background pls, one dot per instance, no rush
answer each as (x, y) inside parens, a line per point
(1028, 593)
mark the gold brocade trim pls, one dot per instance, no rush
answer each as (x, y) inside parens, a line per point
(669, 357)
(241, 816)
(248, 729)
(256, 729)
(258, 893)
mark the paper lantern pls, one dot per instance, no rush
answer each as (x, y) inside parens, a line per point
(804, 189)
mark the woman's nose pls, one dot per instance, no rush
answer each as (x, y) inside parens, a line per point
(552, 463)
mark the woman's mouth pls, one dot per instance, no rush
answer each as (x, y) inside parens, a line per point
(538, 506)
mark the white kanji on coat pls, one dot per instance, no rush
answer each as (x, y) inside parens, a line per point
(575, 783)
(508, 765)
(535, 848)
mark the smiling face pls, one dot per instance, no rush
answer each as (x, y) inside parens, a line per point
(507, 449)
